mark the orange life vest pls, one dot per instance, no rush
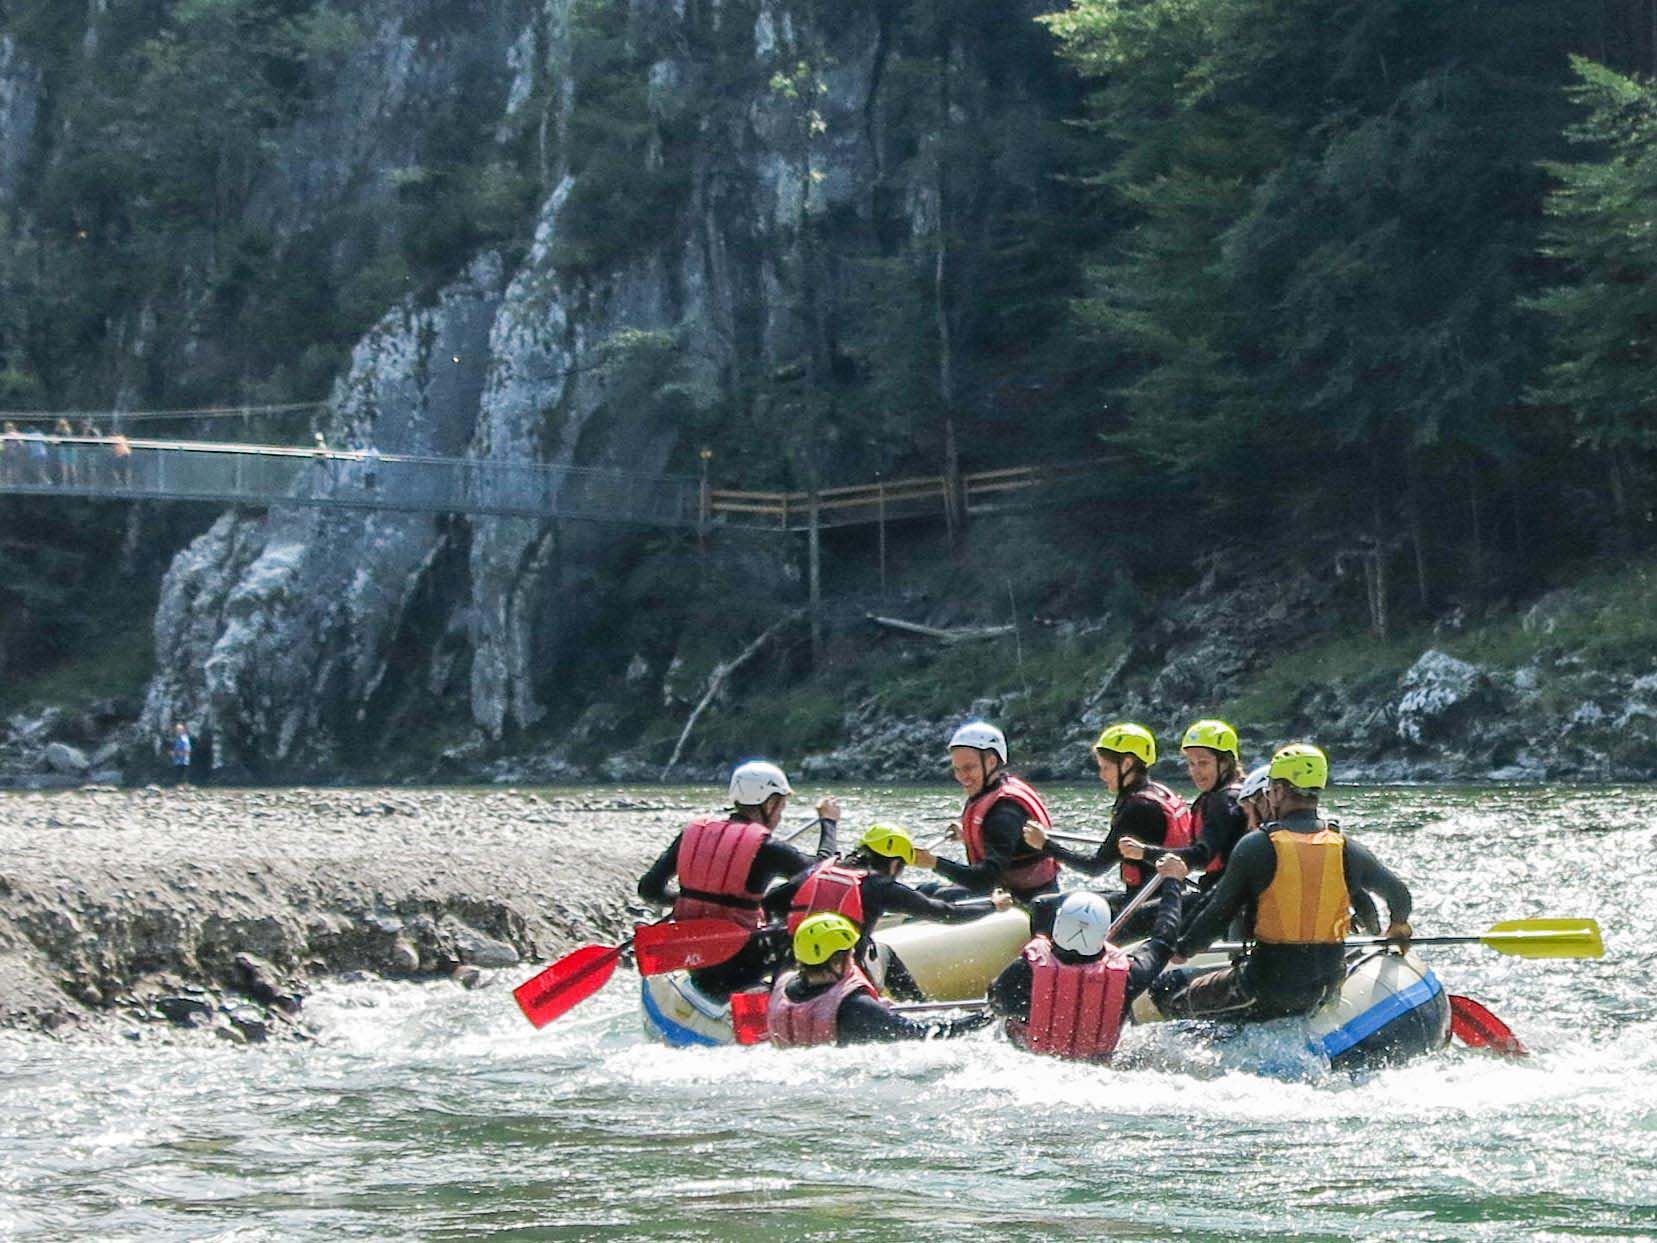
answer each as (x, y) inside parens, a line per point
(1179, 833)
(715, 858)
(1076, 1009)
(797, 1024)
(1307, 902)
(1027, 872)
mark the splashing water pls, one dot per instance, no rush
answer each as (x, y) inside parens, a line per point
(434, 1113)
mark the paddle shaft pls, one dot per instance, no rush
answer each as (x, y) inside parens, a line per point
(1080, 839)
(927, 1007)
(1517, 937)
(1139, 900)
(804, 828)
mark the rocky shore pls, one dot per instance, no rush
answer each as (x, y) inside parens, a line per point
(146, 911)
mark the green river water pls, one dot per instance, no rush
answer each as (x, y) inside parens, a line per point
(433, 1113)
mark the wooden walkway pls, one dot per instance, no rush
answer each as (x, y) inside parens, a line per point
(33, 464)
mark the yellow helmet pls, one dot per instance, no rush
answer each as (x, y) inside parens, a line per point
(823, 935)
(1214, 734)
(891, 841)
(1130, 739)
(1302, 765)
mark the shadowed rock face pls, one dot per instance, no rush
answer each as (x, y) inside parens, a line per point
(296, 639)
(219, 908)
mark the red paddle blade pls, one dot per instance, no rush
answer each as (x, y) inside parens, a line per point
(688, 945)
(568, 982)
(749, 1017)
(1477, 1028)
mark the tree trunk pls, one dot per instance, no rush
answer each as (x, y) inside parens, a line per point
(954, 502)
(1375, 572)
(1619, 504)
(1477, 560)
(1412, 501)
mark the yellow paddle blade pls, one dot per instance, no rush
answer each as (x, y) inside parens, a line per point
(1546, 938)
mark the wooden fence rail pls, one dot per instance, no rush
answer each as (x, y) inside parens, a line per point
(986, 491)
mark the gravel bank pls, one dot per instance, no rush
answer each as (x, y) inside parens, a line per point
(144, 911)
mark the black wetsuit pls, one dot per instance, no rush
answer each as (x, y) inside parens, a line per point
(1004, 847)
(882, 895)
(1223, 826)
(1010, 992)
(1133, 816)
(775, 860)
(863, 1019)
(1273, 980)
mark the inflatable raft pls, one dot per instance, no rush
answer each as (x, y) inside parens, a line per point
(1390, 1008)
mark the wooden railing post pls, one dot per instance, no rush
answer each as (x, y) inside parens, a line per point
(815, 558)
(880, 517)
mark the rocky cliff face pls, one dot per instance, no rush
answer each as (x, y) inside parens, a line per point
(291, 637)
(20, 87)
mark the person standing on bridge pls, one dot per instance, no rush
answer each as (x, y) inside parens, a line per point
(120, 453)
(63, 432)
(40, 455)
(89, 464)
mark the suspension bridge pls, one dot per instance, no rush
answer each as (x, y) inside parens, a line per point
(118, 468)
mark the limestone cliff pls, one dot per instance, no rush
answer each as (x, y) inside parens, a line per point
(290, 637)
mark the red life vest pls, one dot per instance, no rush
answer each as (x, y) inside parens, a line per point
(1179, 832)
(1216, 863)
(796, 1024)
(715, 857)
(1023, 874)
(1076, 1009)
(830, 887)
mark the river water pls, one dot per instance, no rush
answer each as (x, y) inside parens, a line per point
(434, 1113)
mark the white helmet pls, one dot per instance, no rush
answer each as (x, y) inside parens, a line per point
(1081, 923)
(1256, 782)
(757, 780)
(981, 736)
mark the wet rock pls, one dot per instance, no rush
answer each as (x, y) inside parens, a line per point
(1436, 691)
(402, 958)
(60, 757)
(265, 983)
(252, 1023)
(189, 1011)
(467, 976)
(475, 949)
(107, 755)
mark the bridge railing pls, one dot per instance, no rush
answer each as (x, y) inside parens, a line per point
(983, 492)
(271, 475)
(264, 475)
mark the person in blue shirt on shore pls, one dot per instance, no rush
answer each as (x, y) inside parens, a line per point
(179, 751)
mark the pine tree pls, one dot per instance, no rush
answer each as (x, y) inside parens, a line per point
(1604, 317)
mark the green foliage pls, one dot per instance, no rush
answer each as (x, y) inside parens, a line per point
(631, 169)
(1331, 212)
(1603, 317)
(116, 662)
